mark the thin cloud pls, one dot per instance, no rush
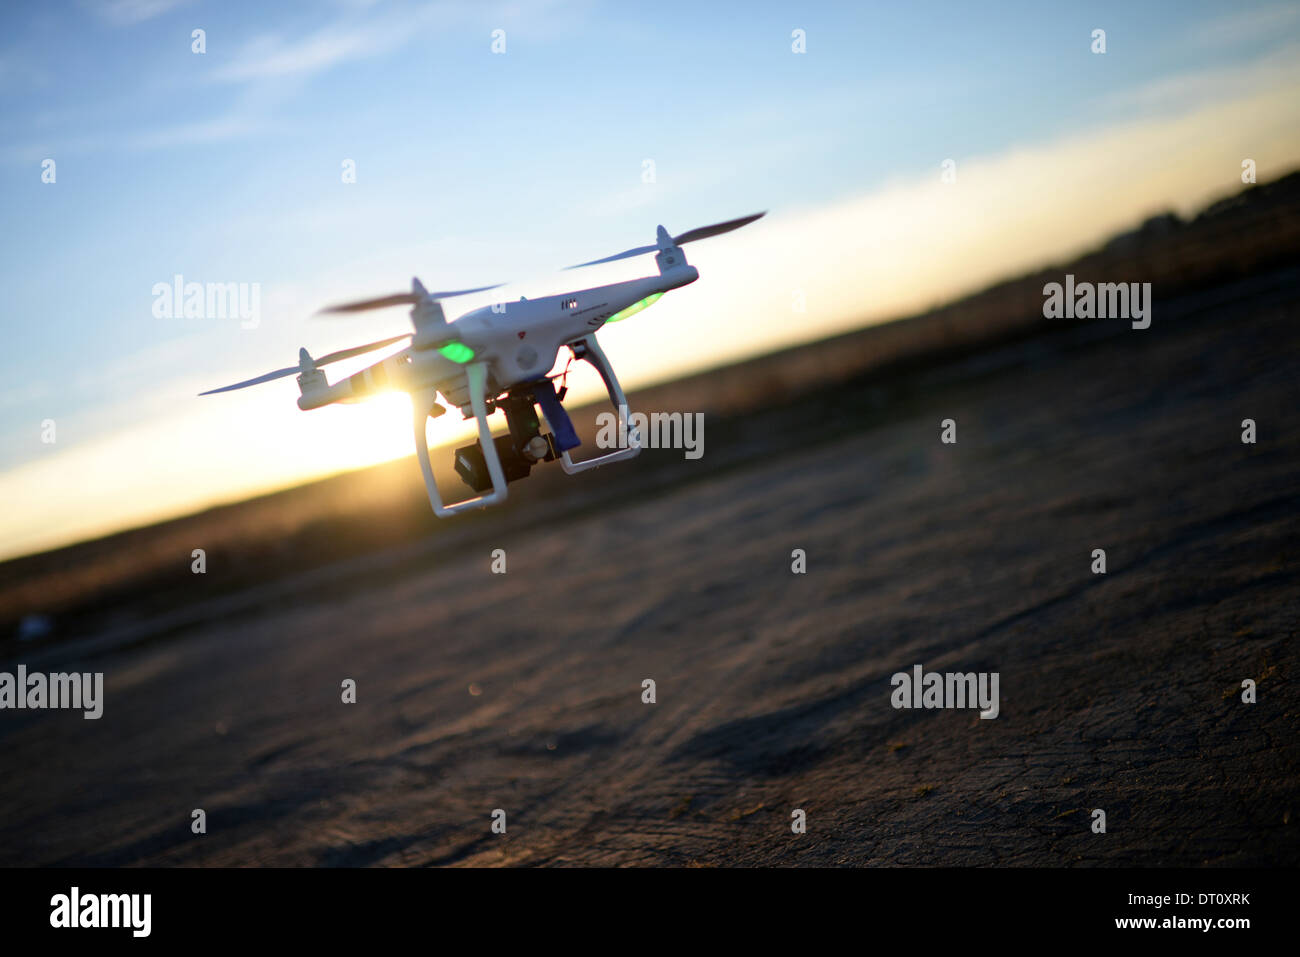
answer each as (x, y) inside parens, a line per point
(217, 130)
(366, 36)
(188, 134)
(270, 56)
(1183, 91)
(127, 12)
(1247, 26)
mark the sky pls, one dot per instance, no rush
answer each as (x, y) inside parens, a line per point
(587, 125)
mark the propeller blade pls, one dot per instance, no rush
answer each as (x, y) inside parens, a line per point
(360, 350)
(452, 293)
(313, 363)
(401, 299)
(703, 232)
(717, 229)
(277, 374)
(404, 299)
(626, 254)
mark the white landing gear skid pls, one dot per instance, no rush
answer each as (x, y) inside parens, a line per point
(476, 374)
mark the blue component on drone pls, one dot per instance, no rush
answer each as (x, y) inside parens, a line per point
(565, 436)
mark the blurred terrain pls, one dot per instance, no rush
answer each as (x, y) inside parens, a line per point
(523, 691)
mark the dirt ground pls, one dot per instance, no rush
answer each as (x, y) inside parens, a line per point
(523, 691)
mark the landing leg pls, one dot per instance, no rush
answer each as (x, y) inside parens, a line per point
(421, 402)
(590, 350)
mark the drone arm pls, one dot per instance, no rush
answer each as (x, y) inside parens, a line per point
(590, 350)
(421, 403)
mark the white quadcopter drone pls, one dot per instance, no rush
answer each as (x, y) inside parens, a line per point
(499, 357)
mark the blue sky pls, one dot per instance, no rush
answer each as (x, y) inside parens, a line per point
(475, 167)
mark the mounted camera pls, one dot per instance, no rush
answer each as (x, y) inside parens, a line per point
(521, 449)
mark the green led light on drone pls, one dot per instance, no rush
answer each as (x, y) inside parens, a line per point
(636, 307)
(457, 352)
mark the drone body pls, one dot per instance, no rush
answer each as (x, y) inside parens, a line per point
(498, 357)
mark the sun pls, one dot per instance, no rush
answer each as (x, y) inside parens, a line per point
(379, 429)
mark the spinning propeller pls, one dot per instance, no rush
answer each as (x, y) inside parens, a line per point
(690, 236)
(432, 331)
(306, 363)
(417, 295)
